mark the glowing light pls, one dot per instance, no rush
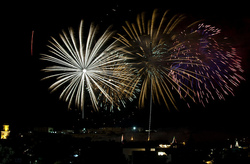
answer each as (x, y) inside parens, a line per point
(164, 146)
(149, 137)
(209, 162)
(5, 133)
(161, 153)
(122, 138)
(132, 138)
(6, 127)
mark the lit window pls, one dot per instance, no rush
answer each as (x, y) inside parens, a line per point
(161, 153)
(164, 146)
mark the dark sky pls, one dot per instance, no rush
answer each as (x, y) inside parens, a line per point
(26, 99)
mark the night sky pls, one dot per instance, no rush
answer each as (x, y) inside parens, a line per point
(27, 102)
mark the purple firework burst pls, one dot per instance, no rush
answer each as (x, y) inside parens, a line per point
(220, 66)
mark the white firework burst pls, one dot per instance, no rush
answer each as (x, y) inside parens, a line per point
(86, 66)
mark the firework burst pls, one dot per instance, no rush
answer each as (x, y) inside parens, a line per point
(123, 93)
(221, 69)
(153, 53)
(86, 67)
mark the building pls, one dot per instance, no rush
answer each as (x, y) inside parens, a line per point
(6, 132)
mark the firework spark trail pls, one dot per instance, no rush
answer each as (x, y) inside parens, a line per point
(222, 65)
(31, 46)
(86, 68)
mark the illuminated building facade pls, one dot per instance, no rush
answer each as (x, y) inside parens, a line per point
(5, 133)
